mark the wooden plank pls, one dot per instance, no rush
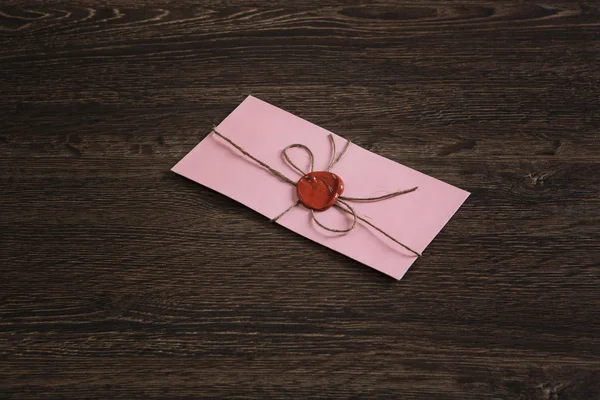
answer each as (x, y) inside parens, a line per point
(120, 279)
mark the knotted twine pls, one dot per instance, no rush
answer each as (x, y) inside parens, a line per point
(341, 203)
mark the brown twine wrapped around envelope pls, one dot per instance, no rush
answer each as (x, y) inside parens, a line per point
(341, 201)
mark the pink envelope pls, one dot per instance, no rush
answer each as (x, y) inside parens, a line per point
(264, 131)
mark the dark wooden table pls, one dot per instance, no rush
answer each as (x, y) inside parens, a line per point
(120, 279)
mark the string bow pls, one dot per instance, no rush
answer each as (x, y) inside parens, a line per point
(340, 201)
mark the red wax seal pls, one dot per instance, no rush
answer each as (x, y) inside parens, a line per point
(319, 190)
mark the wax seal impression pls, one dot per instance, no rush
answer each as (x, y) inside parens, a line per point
(319, 190)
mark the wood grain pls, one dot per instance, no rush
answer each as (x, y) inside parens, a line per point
(119, 279)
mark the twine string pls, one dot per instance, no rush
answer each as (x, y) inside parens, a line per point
(333, 151)
(341, 202)
(349, 210)
(250, 156)
(381, 231)
(335, 160)
(377, 198)
(286, 211)
(310, 154)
